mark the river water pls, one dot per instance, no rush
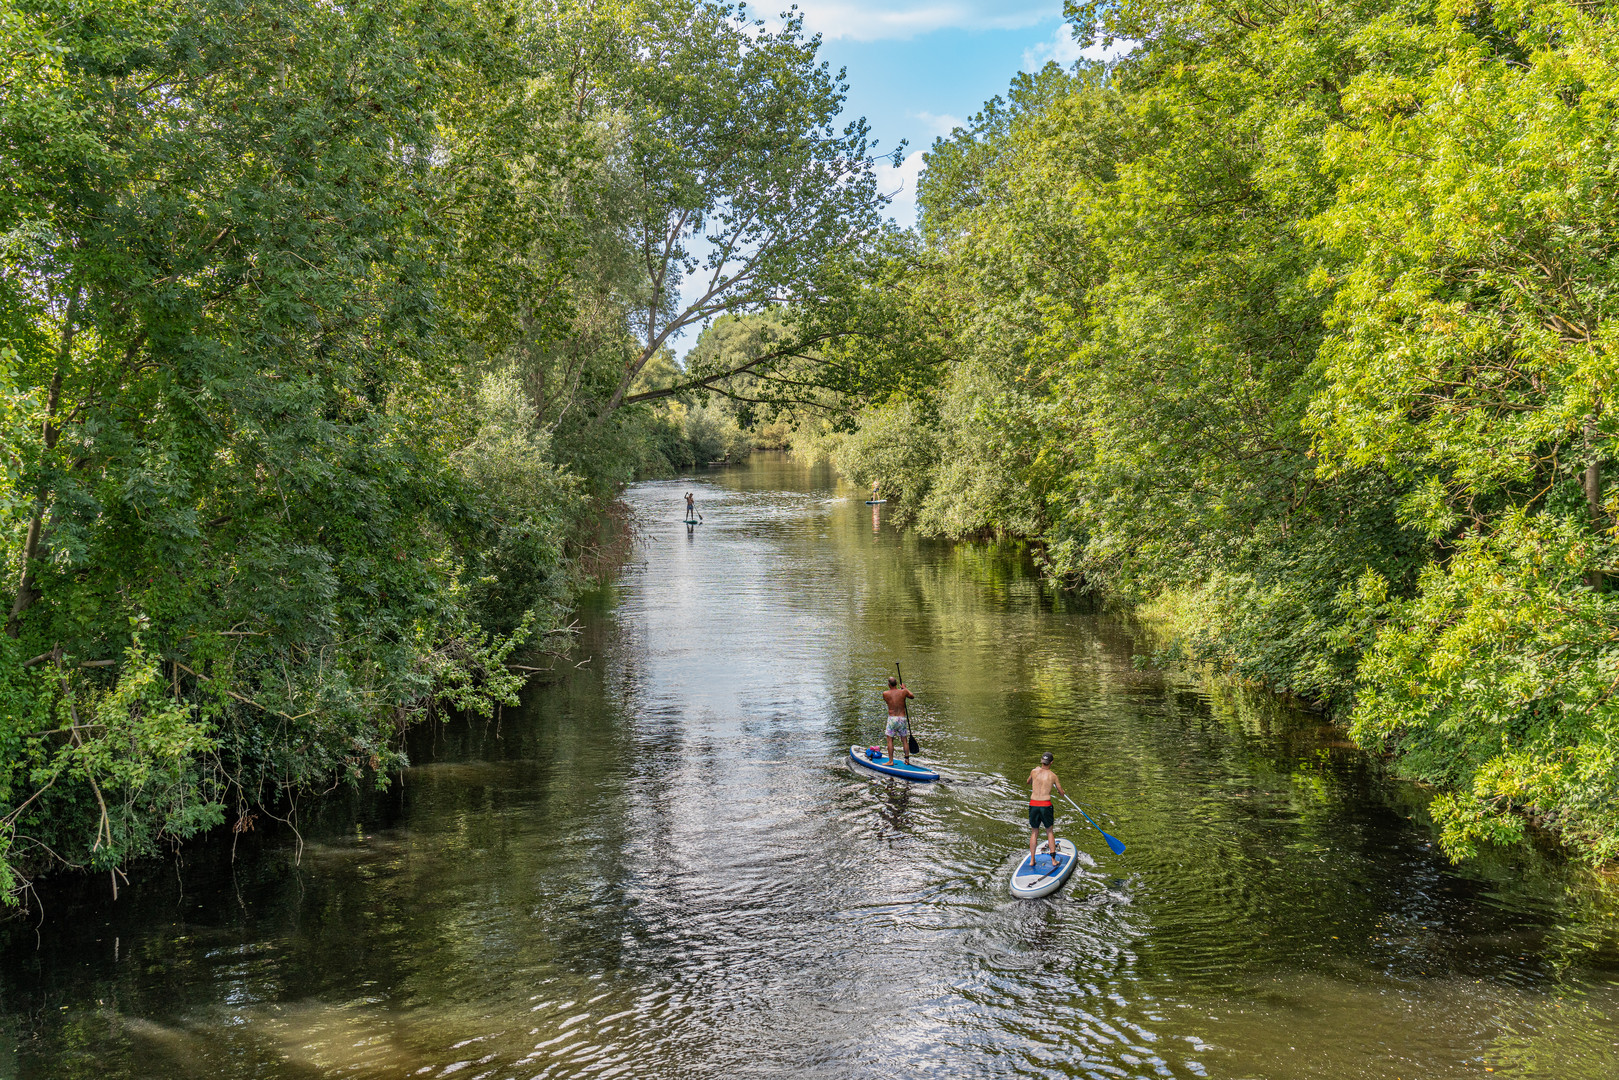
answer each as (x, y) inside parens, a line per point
(663, 865)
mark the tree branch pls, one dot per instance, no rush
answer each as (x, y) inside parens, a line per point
(797, 349)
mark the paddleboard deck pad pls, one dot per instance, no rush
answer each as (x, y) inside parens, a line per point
(875, 760)
(1043, 877)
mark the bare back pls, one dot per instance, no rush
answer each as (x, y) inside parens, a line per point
(896, 700)
(1042, 780)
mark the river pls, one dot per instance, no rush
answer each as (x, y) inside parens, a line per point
(663, 865)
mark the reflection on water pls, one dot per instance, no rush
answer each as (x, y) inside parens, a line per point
(663, 866)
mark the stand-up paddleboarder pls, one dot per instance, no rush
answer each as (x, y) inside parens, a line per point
(898, 722)
(1041, 813)
(691, 507)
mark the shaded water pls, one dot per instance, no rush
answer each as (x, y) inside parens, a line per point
(663, 865)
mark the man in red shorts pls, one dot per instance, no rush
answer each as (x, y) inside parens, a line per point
(1041, 814)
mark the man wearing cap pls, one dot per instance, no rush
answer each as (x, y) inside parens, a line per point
(1041, 813)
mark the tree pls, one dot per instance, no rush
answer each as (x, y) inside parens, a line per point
(1473, 357)
(737, 189)
(230, 497)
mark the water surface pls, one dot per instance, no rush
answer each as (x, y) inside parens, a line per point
(663, 865)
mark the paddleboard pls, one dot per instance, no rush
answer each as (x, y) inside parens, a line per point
(874, 502)
(1030, 881)
(878, 762)
(692, 521)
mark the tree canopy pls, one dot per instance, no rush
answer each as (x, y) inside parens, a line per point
(319, 326)
(1290, 326)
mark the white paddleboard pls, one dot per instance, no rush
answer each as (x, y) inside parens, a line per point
(1042, 877)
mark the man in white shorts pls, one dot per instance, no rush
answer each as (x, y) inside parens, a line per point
(898, 725)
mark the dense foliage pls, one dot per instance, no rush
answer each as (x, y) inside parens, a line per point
(1292, 325)
(322, 329)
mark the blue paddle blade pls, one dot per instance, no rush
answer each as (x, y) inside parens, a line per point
(1113, 842)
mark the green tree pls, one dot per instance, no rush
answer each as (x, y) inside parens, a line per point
(316, 327)
(1473, 358)
(739, 192)
(1293, 325)
(233, 473)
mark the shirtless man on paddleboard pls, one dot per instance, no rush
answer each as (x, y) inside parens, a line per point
(1041, 814)
(898, 725)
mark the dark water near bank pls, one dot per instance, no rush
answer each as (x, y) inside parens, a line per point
(663, 866)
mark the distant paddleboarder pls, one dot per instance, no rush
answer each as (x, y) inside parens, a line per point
(691, 507)
(1041, 813)
(898, 723)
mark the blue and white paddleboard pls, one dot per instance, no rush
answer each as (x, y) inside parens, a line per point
(876, 761)
(1043, 876)
(874, 502)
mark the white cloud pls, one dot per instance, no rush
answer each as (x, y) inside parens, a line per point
(939, 123)
(877, 20)
(900, 182)
(1065, 50)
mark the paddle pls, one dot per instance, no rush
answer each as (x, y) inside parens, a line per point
(1112, 841)
(1096, 811)
(916, 747)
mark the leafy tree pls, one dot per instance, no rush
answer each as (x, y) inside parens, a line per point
(1292, 326)
(315, 333)
(1472, 358)
(738, 192)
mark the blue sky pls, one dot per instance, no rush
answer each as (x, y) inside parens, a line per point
(918, 67)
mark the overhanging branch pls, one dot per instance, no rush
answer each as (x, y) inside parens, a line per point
(796, 349)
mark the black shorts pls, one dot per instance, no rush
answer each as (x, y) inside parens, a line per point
(1042, 817)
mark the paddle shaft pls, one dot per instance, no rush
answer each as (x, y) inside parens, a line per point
(1113, 842)
(904, 703)
(1088, 807)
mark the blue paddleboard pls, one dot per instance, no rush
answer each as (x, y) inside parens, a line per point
(1044, 875)
(877, 762)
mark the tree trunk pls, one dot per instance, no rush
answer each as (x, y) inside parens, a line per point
(26, 593)
(1592, 483)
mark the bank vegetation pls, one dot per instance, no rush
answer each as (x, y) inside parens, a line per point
(328, 332)
(1291, 325)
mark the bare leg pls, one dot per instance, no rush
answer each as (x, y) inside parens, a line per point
(891, 749)
(1034, 835)
(1051, 839)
